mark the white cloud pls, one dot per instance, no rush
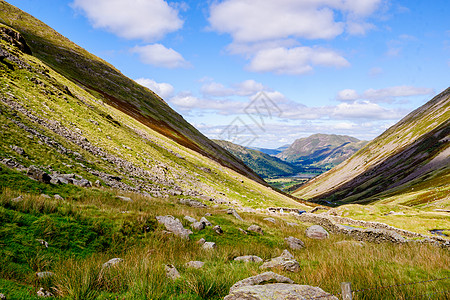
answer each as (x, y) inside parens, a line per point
(364, 110)
(132, 19)
(164, 90)
(160, 56)
(290, 18)
(244, 88)
(298, 60)
(385, 95)
(375, 71)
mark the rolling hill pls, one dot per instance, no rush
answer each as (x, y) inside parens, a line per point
(409, 163)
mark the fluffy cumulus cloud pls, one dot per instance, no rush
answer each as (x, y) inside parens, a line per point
(244, 88)
(384, 95)
(298, 60)
(132, 19)
(160, 56)
(164, 90)
(284, 24)
(286, 18)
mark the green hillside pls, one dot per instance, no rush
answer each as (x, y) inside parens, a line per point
(263, 164)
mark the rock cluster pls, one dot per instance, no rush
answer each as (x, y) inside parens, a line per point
(174, 225)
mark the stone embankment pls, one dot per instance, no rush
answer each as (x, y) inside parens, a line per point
(372, 232)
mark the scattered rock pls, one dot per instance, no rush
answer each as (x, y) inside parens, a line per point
(201, 241)
(285, 261)
(208, 215)
(44, 293)
(316, 232)
(261, 279)
(249, 258)
(46, 274)
(204, 220)
(35, 173)
(18, 150)
(174, 225)
(123, 198)
(242, 230)
(58, 197)
(218, 229)
(255, 228)
(83, 183)
(279, 291)
(198, 226)
(233, 212)
(2, 296)
(271, 220)
(112, 262)
(294, 243)
(292, 224)
(190, 219)
(97, 183)
(45, 196)
(172, 272)
(195, 264)
(209, 245)
(393, 213)
(193, 203)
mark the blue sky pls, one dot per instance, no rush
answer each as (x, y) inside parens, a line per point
(264, 72)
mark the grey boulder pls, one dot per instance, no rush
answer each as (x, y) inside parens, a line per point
(316, 232)
(255, 228)
(285, 261)
(249, 258)
(174, 225)
(294, 243)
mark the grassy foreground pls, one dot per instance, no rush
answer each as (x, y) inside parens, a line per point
(91, 226)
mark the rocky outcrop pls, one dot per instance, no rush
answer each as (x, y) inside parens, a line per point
(174, 225)
(233, 212)
(285, 261)
(193, 203)
(39, 175)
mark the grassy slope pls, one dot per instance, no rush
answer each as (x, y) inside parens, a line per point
(409, 156)
(263, 164)
(106, 82)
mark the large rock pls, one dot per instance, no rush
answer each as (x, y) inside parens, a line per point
(38, 174)
(190, 219)
(316, 232)
(218, 229)
(209, 245)
(271, 220)
(233, 212)
(255, 228)
(263, 278)
(174, 225)
(294, 243)
(112, 262)
(279, 291)
(171, 272)
(204, 220)
(198, 226)
(249, 258)
(195, 264)
(285, 261)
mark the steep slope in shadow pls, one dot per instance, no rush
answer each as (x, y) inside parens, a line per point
(416, 146)
(102, 79)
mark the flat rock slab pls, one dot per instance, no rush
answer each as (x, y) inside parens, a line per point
(279, 291)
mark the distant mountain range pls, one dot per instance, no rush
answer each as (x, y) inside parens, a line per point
(321, 150)
(410, 158)
(314, 154)
(263, 164)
